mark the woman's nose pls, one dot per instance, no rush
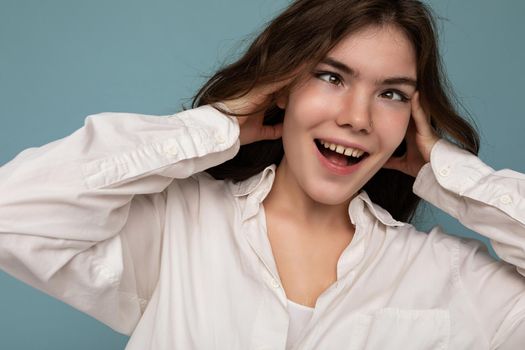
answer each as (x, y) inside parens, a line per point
(356, 114)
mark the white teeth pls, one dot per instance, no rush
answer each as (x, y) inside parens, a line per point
(347, 151)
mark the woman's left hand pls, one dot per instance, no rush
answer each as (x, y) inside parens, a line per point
(420, 139)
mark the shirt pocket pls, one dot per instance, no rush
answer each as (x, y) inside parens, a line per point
(407, 329)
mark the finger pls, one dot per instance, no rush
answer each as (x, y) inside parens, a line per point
(271, 132)
(412, 145)
(411, 134)
(242, 120)
(420, 117)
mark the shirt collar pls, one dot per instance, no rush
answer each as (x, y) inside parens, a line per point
(257, 187)
(262, 180)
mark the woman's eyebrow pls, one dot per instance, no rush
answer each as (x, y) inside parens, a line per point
(351, 72)
(398, 81)
(339, 65)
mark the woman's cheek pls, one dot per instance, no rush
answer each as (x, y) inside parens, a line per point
(393, 129)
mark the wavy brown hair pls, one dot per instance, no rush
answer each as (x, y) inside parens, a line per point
(302, 35)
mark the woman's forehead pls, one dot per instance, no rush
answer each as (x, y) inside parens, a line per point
(384, 50)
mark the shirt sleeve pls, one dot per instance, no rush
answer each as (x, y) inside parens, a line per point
(81, 218)
(491, 203)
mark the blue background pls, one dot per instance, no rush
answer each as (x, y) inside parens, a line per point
(63, 60)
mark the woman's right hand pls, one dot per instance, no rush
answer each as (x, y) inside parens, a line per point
(251, 126)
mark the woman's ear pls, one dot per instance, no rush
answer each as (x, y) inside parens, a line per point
(281, 98)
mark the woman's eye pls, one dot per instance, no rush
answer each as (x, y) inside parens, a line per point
(395, 96)
(331, 78)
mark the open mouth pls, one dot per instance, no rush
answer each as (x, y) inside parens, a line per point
(339, 155)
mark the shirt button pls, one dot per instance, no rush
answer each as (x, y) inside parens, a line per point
(219, 138)
(172, 150)
(274, 283)
(444, 172)
(505, 199)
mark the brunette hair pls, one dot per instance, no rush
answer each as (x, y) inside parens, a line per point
(302, 35)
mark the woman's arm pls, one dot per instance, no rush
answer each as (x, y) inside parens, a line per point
(81, 218)
(491, 203)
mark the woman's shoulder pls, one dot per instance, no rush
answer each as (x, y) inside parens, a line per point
(438, 243)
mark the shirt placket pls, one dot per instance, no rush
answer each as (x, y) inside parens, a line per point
(272, 319)
(348, 269)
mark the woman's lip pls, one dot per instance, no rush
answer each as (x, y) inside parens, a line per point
(333, 168)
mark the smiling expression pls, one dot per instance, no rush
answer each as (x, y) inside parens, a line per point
(359, 97)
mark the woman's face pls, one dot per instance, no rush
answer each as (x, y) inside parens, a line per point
(358, 97)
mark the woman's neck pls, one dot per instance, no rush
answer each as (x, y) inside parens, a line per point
(287, 199)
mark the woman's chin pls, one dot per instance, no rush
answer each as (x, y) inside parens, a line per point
(332, 197)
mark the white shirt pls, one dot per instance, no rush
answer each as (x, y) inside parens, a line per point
(299, 316)
(119, 221)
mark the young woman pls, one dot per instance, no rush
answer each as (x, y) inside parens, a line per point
(271, 215)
